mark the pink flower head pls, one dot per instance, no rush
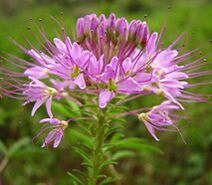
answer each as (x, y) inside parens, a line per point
(39, 93)
(159, 117)
(109, 57)
(56, 134)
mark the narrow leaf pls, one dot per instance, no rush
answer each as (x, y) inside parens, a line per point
(3, 148)
(18, 145)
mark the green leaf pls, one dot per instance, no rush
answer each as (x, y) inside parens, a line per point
(118, 120)
(18, 145)
(101, 176)
(88, 164)
(122, 154)
(137, 144)
(107, 163)
(64, 110)
(107, 181)
(108, 147)
(81, 173)
(29, 151)
(74, 108)
(83, 154)
(77, 135)
(116, 137)
(114, 129)
(75, 178)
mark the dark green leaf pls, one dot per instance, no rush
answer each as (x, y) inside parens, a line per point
(18, 145)
(75, 178)
(137, 144)
(107, 163)
(3, 148)
(75, 109)
(63, 110)
(107, 181)
(77, 135)
(122, 154)
(83, 154)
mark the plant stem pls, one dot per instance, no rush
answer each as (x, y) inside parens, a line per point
(3, 164)
(114, 174)
(97, 157)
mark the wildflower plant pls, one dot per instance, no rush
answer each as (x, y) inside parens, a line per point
(110, 62)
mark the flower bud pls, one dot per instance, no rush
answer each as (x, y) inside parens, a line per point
(111, 21)
(80, 27)
(121, 26)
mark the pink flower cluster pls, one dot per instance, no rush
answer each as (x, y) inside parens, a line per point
(109, 56)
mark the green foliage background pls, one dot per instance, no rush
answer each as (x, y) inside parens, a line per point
(177, 164)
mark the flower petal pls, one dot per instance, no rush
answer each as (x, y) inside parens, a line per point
(127, 65)
(151, 130)
(49, 138)
(52, 121)
(36, 72)
(37, 105)
(60, 45)
(151, 44)
(129, 86)
(104, 97)
(58, 138)
(48, 106)
(80, 81)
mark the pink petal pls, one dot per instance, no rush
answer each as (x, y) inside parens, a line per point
(76, 51)
(80, 81)
(68, 44)
(143, 77)
(151, 45)
(36, 72)
(104, 97)
(114, 63)
(48, 106)
(95, 66)
(151, 130)
(127, 65)
(164, 58)
(177, 75)
(129, 86)
(171, 83)
(49, 138)
(108, 74)
(170, 96)
(60, 45)
(36, 106)
(45, 120)
(52, 121)
(83, 61)
(58, 138)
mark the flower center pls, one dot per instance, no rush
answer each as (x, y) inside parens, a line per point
(143, 117)
(112, 85)
(51, 91)
(75, 72)
(64, 124)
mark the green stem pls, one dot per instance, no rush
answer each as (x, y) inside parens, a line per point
(97, 158)
(114, 174)
(3, 164)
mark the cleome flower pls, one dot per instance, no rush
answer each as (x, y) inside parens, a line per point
(38, 92)
(108, 57)
(159, 117)
(56, 134)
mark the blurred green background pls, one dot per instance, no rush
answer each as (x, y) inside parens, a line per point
(25, 163)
